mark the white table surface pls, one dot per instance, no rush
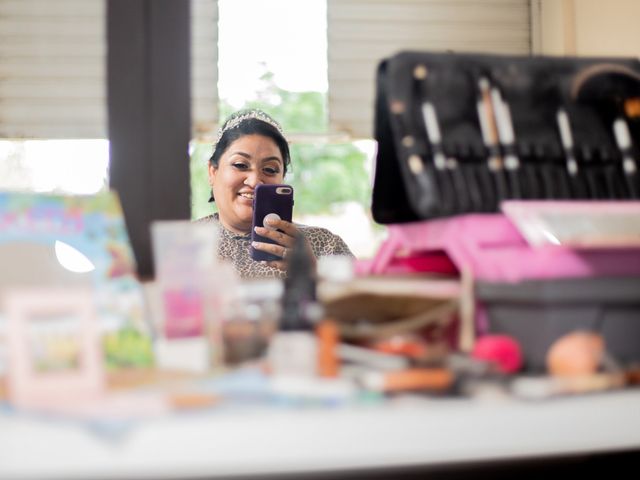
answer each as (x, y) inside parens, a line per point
(411, 432)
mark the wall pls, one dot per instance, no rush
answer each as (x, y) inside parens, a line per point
(588, 27)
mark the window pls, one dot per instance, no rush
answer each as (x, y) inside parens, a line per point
(68, 166)
(53, 125)
(273, 55)
(52, 91)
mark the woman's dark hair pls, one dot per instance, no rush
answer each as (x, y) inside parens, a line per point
(250, 124)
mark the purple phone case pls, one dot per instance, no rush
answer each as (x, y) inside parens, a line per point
(270, 198)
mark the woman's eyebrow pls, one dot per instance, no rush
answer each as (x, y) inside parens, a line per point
(263, 160)
(242, 154)
(273, 157)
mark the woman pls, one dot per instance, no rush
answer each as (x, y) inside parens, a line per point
(251, 149)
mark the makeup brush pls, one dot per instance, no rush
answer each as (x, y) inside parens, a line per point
(429, 190)
(489, 130)
(440, 161)
(629, 167)
(506, 136)
(566, 137)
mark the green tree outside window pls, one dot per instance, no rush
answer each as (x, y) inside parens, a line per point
(323, 175)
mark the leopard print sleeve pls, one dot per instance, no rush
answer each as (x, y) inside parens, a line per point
(323, 242)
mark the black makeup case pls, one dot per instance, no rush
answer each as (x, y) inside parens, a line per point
(459, 133)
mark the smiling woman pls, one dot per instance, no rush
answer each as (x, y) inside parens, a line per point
(251, 150)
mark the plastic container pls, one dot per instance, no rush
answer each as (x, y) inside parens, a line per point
(491, 248)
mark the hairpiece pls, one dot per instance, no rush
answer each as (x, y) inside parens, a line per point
(242, 115)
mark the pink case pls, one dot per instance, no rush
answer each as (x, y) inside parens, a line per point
(491, 247)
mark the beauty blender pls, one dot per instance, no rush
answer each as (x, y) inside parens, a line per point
(502, 350)
(576, 353)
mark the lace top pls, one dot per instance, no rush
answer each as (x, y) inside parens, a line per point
(235, 248)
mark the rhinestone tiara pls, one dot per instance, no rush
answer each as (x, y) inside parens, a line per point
(237, 118)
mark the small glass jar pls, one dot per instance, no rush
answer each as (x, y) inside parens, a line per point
(251, 321)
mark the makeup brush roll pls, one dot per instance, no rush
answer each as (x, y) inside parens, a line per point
(459, 133)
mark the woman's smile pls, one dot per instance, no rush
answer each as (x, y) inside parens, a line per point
(247, 195)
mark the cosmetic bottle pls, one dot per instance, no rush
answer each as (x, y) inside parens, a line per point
(293, 348)
(251, 320)
(186, 292)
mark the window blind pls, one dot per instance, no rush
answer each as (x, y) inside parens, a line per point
(53, 68)
(362, 32)
(204, 68)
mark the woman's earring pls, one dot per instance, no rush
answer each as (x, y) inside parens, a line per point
(211, 199)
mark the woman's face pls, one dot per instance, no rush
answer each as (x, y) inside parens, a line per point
(247, 162)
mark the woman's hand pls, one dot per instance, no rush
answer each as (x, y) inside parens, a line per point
(285, 240)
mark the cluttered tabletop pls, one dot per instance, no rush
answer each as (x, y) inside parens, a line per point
(385, 373)
(359, 365)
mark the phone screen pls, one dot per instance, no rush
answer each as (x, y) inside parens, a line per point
(270, 199)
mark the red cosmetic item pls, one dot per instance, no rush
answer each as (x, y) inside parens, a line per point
(502, 350)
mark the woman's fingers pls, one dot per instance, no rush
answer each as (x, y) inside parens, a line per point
(286, 237)
(279, 250)
(284, 234)
(287, 227)
(280, 238)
